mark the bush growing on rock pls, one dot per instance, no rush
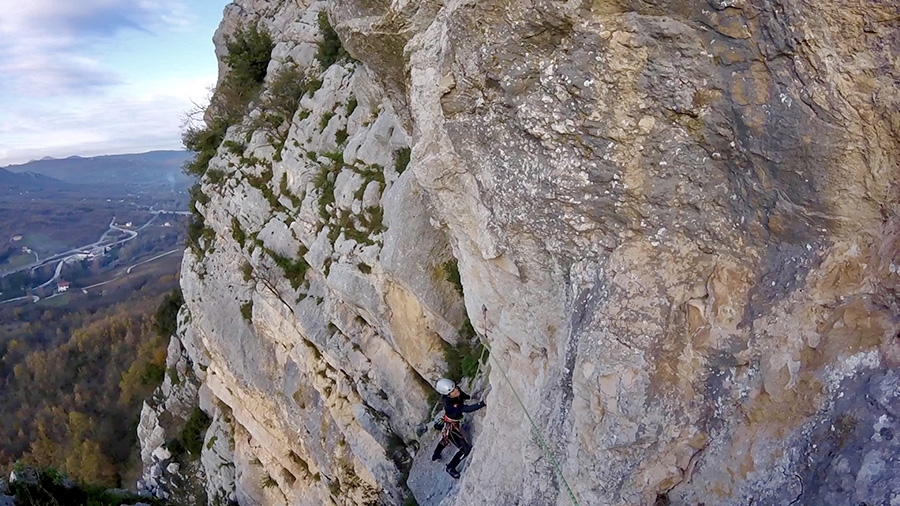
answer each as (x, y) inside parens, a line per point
(280, 101)
(247, 311)
(194, 431)
(48, 486)
(450, 270)
(249, 52)
(165, 321)
(330, 49)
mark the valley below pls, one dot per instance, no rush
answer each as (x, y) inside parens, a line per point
(90, 256)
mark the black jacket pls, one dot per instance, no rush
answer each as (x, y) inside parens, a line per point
(454, 407)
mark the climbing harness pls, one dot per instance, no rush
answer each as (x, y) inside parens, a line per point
(534, 428)
(451, 427)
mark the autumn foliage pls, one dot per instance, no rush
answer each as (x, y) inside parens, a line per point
(74, 404)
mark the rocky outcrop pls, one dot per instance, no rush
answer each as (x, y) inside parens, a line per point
(170, 472)
(674, 225)
(5, 500)
(28, 485)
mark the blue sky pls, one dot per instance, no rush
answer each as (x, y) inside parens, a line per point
(101, 76)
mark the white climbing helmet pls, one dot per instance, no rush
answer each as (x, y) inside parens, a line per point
(444, 386)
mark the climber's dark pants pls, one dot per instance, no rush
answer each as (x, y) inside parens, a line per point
(458, 441)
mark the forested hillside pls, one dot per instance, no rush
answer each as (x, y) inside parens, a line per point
(74, 381)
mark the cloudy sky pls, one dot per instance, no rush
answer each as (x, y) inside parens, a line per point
(93, 77)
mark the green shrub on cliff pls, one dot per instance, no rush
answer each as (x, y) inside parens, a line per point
(294, 270)
(47, 486)
(450, 270)
(237, 233)
(402, 160)
(280, 102)
(247, 311)
(330, 49)
(249, 52)
(199, 236)
(165, 321)
(194, 431)
(463, 360)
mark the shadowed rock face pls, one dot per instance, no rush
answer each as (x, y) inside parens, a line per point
(675, 225)
(685, 179)
(853, 453)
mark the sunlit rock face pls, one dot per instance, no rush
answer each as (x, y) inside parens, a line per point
(675, 225)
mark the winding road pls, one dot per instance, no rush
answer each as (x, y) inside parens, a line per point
(79, 253)
(75, 251)
(128, 270)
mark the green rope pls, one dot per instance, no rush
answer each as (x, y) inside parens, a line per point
(481, 361)
(534, 428)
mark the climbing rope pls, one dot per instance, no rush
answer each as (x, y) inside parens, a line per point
(475, 376)
(534, 428)
(481, 360)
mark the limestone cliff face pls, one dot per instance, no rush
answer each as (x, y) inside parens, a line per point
(675, 224)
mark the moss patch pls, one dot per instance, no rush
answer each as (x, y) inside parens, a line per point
(450, 270)
(401, 160)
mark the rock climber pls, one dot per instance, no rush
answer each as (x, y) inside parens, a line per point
(454, 407)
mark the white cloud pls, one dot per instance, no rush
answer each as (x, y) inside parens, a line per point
(100, 76)
(129, 120)
(48, 45)
(171, 14)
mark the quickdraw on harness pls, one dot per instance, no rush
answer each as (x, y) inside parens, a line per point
(451, 427)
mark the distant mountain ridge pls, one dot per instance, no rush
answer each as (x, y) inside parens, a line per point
(29, 181)
(139, 168)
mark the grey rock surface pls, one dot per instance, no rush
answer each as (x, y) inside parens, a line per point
(163, 417)
(853, 454)
(674, 224)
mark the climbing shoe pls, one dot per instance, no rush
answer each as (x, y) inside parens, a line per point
(453, 472)
(435, 456)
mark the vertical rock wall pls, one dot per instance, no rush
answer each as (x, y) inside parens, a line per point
(675, 224)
